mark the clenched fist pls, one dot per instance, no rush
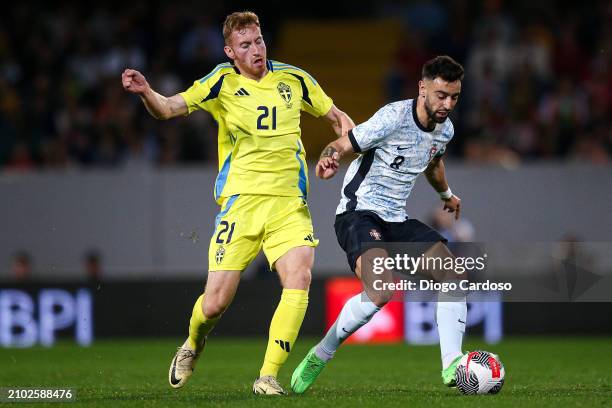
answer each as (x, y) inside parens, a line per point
(327, 167)
(133, 81)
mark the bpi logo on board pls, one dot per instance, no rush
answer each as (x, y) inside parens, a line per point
(420, 321)
(27, 319)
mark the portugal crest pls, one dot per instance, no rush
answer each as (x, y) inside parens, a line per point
(433, 151)
(284, 91)
(375, 234)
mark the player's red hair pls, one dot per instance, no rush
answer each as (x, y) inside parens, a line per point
(237, 21)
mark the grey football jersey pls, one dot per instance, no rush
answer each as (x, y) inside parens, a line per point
(395, 148)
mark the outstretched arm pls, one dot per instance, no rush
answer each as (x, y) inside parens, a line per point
(339, 121)
(328, 164)
(159, 106)
(436, 176)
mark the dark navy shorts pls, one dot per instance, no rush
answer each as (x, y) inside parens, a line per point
(356, 228)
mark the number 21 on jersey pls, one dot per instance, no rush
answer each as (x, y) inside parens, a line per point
(263, 123)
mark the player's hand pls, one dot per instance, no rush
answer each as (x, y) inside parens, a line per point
(133, 81)
(453, 205)
(327, 167)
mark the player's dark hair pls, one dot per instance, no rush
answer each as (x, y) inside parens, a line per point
(444, 67)
(237, 21)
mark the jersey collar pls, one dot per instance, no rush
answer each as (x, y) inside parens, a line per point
(415, 117)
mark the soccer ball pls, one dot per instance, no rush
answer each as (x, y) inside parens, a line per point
(480, 372)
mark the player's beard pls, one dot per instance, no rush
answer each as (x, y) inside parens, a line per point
(431, 114)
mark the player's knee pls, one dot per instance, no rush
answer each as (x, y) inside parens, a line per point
(299, 278)
(380, 298)
(304, 277)
(213, 308)
(385, 298)
(380, 302)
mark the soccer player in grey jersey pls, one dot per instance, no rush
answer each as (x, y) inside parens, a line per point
(401, 141)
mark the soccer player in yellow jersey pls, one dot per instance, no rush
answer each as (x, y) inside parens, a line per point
(261, 186)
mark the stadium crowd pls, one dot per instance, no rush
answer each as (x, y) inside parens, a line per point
(539, 82)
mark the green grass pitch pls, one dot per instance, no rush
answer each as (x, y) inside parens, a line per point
(540, 372)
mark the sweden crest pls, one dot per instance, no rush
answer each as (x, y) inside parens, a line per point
(284, 91)
(220, 254)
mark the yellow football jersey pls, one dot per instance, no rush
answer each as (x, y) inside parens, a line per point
(260, 151)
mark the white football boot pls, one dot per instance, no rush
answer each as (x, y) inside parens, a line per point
(183, 364)
(267, 385)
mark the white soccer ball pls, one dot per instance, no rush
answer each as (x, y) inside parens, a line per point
(480, 372)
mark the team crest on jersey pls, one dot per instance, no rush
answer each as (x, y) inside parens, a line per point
(284, 91)
(432, 152)
(220, 254)
(375, 234)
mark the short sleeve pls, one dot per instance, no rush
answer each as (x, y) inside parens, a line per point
(319, 103)
(203, 94)
(441, 151)
(314, 100)
(196, 93)
(372, 132)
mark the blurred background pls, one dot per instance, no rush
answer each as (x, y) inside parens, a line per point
(103, 205)
(538, 83)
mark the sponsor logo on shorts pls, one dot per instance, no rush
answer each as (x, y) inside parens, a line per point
(310, 238)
